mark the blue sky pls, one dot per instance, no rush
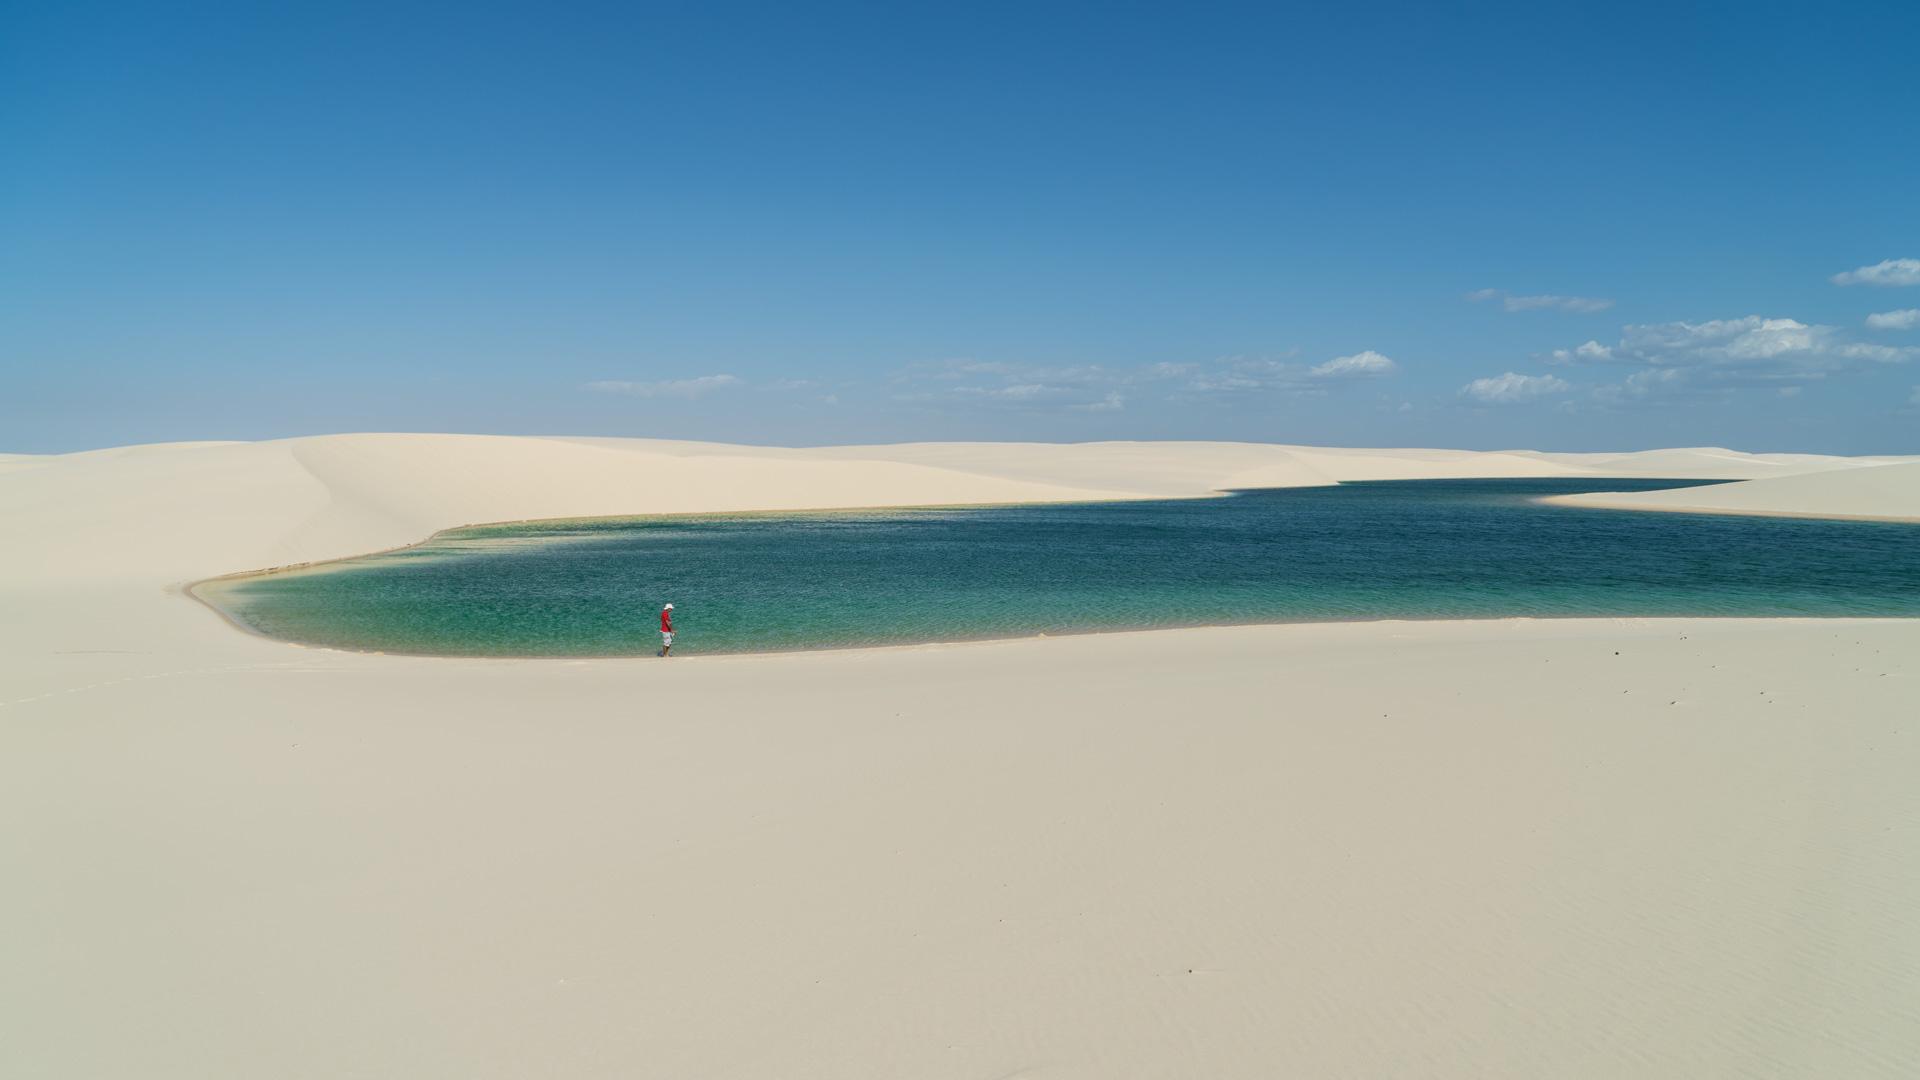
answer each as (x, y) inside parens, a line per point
(1359, 224)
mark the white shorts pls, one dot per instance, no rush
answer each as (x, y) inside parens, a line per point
(666, 638)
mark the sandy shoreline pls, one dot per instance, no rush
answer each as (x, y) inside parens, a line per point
(1502, 848)
(1804, 515)
(1883, 492)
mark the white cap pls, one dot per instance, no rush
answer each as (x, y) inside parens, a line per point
(669, 607)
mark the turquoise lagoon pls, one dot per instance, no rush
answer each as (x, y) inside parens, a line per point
(1452, 549)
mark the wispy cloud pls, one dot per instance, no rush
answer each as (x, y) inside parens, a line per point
(1752, 342)
(1884, 272)
(1113, 402)
(1543, 302)
(668, 388)
(1512, 388)
(1096, 388)
(1726, 354)
(1905, 319)
(1242, 374)
(1246, 374)
(1591, 353)
(1361, 365)
(998, 384)
(1653, 384)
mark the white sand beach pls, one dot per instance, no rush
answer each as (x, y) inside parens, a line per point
(1594, 848)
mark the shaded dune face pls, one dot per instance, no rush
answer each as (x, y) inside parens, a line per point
(1414, 549)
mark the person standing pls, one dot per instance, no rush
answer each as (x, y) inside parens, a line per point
(666, 630)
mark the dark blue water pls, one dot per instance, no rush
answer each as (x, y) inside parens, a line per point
(1402, 549)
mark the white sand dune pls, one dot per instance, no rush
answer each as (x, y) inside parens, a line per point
(14, 462)
(181, 511)
(1886, 492)
(1498, 849)
(1713, 463)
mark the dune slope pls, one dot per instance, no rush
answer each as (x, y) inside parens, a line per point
(1884, 492)
(1500, 849)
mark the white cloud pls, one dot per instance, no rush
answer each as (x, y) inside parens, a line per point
(1239, 374)
(1753, 341)
(976, 372)
(1242, 374)
(1583, 304)
(1022, 391)
(1113, 402)
(669, 388)
(1094, 388)
(1722, 355)
(1884, 272)
(1368, 364)
(1905, 319)
(1649, 386)
(1513, 388)
(1591, 353)
(1014, 392)
(997, 384)
(1218, 382)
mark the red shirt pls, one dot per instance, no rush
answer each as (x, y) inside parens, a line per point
(666, 621)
